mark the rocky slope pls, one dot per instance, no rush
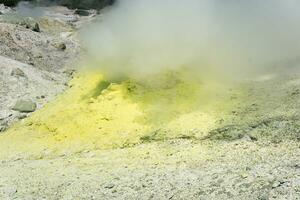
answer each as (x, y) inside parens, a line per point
(36, 60)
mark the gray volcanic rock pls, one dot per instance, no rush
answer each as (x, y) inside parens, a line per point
(4, 9)
(25, 106)
(17, 73)
(87, 4)
(9, 2)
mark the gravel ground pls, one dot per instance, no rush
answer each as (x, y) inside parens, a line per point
(176, 169)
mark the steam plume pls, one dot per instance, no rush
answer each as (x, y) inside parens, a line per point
(138, 37)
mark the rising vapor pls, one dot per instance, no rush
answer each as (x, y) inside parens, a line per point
(141, 37)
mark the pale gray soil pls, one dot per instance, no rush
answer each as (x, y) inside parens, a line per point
(178, 169)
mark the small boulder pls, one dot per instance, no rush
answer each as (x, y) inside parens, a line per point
(69, 72)
(277, 184)
(2, 128)
(31, 24)
(24, 106)
(110, 186)
(21, 116)
(17, 72)
(36, 28)
(82, 12)
(249, 138)
(60, 46)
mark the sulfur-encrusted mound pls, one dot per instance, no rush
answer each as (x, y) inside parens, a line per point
(96, 114)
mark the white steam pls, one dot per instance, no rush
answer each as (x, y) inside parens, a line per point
(138, 37)
(28, 9)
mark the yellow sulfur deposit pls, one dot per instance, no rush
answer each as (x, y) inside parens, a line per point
(96, 114)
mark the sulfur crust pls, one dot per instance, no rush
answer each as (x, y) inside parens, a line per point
(94, 114)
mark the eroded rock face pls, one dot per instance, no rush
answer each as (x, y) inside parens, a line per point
(33, 61)
(86, 4)
(9, 2)
(4, 9)
(82, 4)
(33, 48)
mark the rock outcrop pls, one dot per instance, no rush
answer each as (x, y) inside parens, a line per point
(82, 4)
